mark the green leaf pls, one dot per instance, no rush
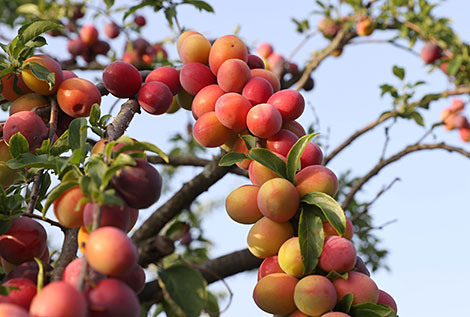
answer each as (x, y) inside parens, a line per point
(293, 157)
(333, 275)
(418, 118)
(109, 3)
(269, 159)
(177, 230)
(139, 6)
(28, 8)
(250, 141)
(4, 226)
(37, 28)
(330, 208)
(25, 160)
(75, 136)
(95, 114)
(61, 145)
(56, 193)
(454, 65)
(170, 13)
(143, 146)
(201, 5)
(186, 287)
(18, 145)
(311, 239)
(371, 310)
(212, 305)
(42, 73)
(231, 158)
(5, 290)
(345, 303)
(399, 72)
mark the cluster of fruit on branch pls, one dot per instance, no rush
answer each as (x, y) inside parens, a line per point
(243, 110)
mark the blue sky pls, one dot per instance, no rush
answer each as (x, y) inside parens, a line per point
(428, 242)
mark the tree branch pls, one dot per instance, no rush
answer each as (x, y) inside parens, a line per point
(383, 163)
(424, 100)
(120, 123)
(69, 252)
(223, 266)
(211, 173)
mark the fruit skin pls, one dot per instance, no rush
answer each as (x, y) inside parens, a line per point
(278, 199)
(386, 299)
(135, 279)
(264, 49)
(364, 27)
(315, 295)
(360, 285)
(39, 86)
(335, 314)
(21, 296)
(76, 96)
(257, 90)
(233, 74)
(7, 90)
(11, 310)
(76, 47)
(195, 49)
(122, 79)
(224, 48)
(255, 62)
(66, 208)
(183, 37)
(210, 132)
(316, 178)
(241, 204)
(24, 240)
(29, 102)
(231, 110)
(268, 75)
(328, 229)
(339, 254)
(266, 237)
(289, 102)
(29, 124)
(112, 298)
(167, 75)
(205, 100)
(28, 270)
(264, 120)
(73, 270)
(281, 142)
(107, 243)
(58, 299)
(89, 34)
(195, 76)
(274, 293)
(111, 30)
(240, 146)
(312, 155)
(259, 174)
(269, 265)
(139, 185)
(140, 20)
(430, 53)
(114, 216)
(155, 97)
(290, 258)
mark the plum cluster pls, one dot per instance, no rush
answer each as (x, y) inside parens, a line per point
(454, 119)
(114, 278)
(235, 96)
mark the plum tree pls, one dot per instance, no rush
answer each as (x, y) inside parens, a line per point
(307, 220)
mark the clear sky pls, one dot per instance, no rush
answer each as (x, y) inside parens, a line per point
(428, 242)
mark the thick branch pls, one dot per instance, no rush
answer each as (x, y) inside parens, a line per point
(212, 270)
(120, 123)
(338, 42)
(181, 199)
(154, 249)
(69, 252)
(383, 163)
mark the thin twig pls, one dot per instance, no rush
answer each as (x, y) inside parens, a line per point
(49, 221)
(301, 44)
(381, 164)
